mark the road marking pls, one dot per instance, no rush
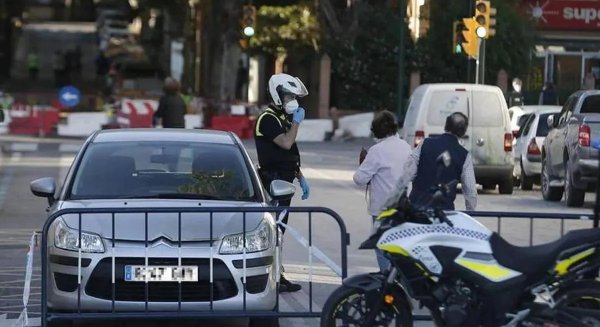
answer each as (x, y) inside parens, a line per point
(23, 147)
(68, 147)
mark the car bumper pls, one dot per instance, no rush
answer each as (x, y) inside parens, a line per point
(96, 293)
(492, 173)
(587, 169)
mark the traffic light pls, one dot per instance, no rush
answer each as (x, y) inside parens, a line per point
(248, 20)
(470, 42)
(484, 16)
(457, 37)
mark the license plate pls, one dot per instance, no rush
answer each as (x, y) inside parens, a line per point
(161, 273)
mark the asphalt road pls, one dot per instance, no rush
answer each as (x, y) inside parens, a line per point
(328, 168)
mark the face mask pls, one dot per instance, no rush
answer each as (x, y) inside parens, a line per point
(291, 107)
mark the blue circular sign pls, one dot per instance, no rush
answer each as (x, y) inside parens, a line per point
(69, 96)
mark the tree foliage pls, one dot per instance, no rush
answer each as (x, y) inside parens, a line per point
(365, 62)
(283, 29)
(509, 49)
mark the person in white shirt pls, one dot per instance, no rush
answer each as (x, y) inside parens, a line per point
(382, 167)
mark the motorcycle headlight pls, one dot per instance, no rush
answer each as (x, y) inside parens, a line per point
(68, 239)
(256, 241)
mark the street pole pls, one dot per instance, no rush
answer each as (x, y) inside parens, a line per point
(482, 54)
(477, 60)
(400, 108)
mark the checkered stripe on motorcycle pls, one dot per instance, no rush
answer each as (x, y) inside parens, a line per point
(437, 230)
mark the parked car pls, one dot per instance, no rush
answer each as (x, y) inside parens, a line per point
(157, 168)
(529, 140)
(489, 137)
(518, 115)
(569, 163)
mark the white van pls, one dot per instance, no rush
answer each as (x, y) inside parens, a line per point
(489, 135)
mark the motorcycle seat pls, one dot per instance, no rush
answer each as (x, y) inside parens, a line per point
(537, 260)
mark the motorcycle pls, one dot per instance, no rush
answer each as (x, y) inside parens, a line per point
(466, 275)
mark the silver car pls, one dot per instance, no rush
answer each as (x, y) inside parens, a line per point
(162, 168)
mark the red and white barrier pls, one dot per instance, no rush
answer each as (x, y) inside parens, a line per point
(136, 113)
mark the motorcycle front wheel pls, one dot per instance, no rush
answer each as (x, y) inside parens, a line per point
(350, 307)
(580, 302)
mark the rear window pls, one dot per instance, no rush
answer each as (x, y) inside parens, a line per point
(162, 170)
(542, 128)
(591, 104)
(523, 119)
(487, 110)
(443, 103)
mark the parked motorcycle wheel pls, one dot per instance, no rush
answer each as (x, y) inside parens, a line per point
(580, 301)
(349, 307)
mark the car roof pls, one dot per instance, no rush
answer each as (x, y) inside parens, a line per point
(466, 86)
(536, 108)
(164, 134)
(547, 111)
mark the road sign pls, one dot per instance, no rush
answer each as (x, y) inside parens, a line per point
(69, 96)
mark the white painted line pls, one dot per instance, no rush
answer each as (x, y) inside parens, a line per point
(67, 147)
(16, 157)
(23, 147)
(315, 278)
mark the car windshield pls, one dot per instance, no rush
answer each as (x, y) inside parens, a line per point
(162, 170)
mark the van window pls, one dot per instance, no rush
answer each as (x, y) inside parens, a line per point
(443, 103)
(487, 110)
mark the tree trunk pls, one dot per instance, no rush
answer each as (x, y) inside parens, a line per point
(279, 61)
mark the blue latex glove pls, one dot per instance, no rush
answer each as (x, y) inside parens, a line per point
(298, 115)
(305, 188)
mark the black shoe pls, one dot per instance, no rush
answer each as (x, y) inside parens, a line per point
(287, 286)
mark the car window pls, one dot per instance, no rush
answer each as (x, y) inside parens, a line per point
(528, 121)
(442, 103)
(523, 119)
(487, 109)
(542, 128)
(567, 109)
(151, 169)
(591, 104)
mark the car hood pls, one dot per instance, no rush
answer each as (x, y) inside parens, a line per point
(163, 226)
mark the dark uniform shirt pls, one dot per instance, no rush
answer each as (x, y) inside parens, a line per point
(271, 157)
(171, 108)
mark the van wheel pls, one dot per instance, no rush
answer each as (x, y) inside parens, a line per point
(506, 186)
(574, 197)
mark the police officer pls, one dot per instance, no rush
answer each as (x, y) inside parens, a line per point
(275, 136)
(422, 165)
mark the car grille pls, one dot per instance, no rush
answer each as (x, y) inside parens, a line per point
(100, 286)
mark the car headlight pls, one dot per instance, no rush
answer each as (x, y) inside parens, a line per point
(256, 241)
(68, 239)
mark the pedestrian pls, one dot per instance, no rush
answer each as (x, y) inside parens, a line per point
(422, 166)
(33, 65)
(171, 107)
(381, 167)
(515, 97)
(275, 137)
(548, 95)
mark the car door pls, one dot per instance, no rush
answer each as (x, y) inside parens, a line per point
(523, 137)
(557, 137)
(488, 125)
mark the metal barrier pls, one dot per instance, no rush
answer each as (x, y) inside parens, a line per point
(531, 217)
(208, 305)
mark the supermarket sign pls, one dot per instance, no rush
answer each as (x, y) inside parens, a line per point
(564, 14)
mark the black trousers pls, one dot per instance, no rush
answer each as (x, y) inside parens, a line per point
(268, 176)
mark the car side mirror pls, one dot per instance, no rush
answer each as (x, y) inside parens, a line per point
(281, 190)
(550, 121)
(45, 188)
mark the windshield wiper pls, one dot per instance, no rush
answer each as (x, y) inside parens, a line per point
(190, 196)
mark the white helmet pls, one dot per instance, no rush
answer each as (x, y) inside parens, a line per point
(280, 84)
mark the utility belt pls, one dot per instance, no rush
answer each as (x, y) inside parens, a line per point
(267, 175)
